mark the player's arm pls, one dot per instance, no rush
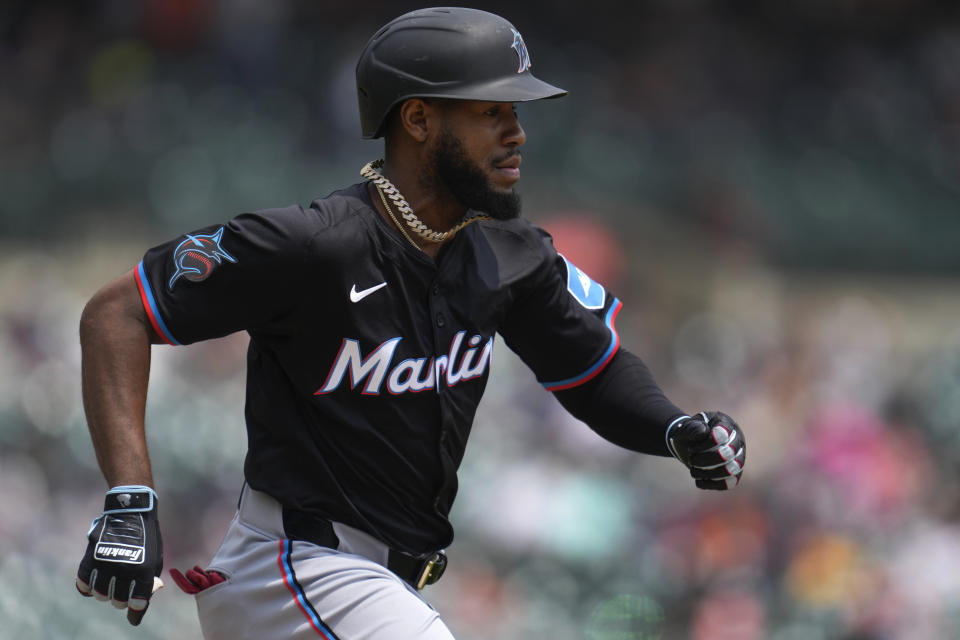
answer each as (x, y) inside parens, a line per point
(562, 324)
(124, 551)
(624, 405)
(115, 340)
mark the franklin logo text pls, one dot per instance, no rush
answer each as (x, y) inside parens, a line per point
(119, 553)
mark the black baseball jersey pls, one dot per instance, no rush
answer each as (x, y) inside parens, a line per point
(367, 358)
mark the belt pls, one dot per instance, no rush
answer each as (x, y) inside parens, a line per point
(417, 571)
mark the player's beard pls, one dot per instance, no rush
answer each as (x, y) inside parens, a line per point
(467, 182)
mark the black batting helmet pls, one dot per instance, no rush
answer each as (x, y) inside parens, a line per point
(444, 52)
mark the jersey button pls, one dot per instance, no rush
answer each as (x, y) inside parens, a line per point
(436, 289)
(440, 320)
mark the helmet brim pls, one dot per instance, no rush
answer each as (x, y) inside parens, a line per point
(520, 88)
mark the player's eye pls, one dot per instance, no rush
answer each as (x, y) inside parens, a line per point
(492, 111)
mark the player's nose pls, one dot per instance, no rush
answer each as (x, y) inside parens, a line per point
(514, 136)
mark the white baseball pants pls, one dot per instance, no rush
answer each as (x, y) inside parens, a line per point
(278, 588)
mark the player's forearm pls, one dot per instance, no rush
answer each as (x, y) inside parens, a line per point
(624, 405)
(115, 349)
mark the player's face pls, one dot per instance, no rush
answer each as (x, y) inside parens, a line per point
(476, 156)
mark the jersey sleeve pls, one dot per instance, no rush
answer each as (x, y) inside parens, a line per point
(562, 324)
(225, 278)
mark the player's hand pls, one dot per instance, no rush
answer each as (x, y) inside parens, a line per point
(712, 446)
(124, 554)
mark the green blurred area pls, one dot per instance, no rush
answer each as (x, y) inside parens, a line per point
(815, 135)
(771, 188)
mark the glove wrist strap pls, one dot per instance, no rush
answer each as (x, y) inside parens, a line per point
(666, 435)
(129, 499)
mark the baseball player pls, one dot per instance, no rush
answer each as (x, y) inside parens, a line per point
(372, 315)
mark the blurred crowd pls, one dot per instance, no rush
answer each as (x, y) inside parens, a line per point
(771, 188)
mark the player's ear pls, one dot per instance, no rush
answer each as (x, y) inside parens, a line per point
(416, 115)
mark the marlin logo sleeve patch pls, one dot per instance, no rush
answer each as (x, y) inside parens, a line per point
(197, 256)
(583, 288)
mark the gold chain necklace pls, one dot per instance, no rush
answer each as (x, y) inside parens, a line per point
(386, 206)
(385, 188)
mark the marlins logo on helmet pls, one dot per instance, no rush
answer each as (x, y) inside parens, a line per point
(521, 48)
(196, 257)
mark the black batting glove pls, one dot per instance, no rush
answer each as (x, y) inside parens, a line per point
(124, 554)
(712, 446)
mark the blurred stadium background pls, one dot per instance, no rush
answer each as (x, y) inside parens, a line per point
(771, 188)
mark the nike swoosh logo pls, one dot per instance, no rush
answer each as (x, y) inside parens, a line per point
(357, 296)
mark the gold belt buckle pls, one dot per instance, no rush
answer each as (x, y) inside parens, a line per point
(437, 561)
